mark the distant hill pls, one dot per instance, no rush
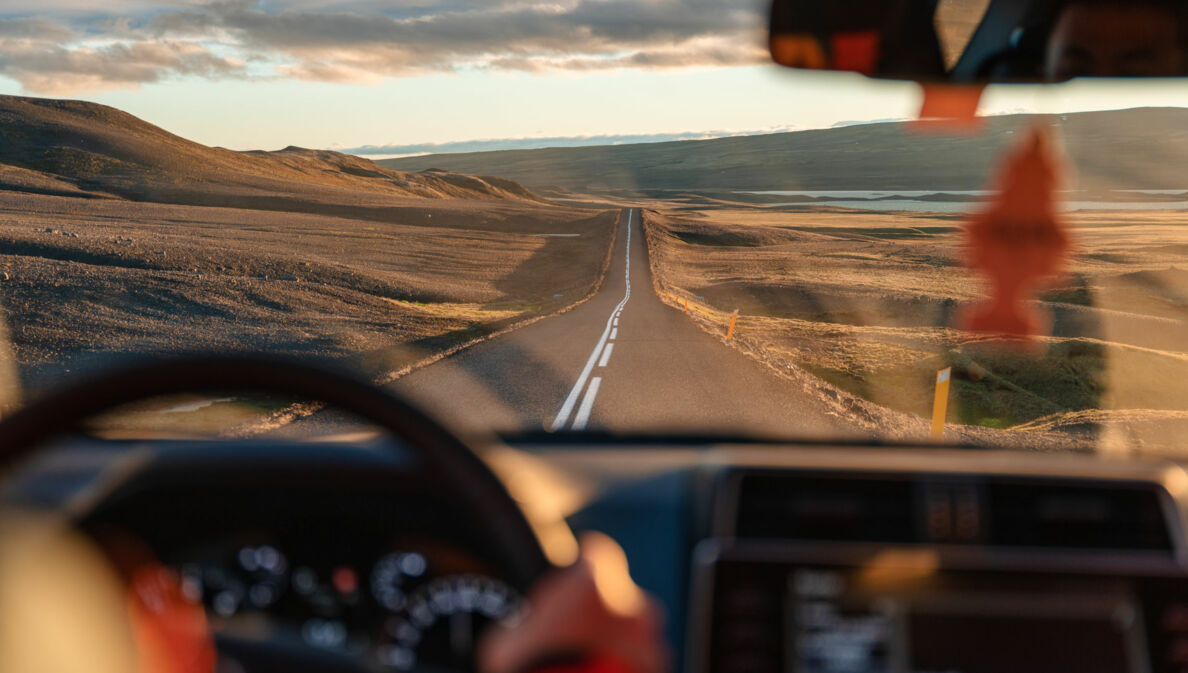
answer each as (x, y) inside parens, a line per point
(1143, 148)
(84, 149)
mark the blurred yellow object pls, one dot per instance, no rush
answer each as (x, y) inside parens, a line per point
(546, 497)
(608, 562)
(895, 567)
(62, 606)
(940, 404)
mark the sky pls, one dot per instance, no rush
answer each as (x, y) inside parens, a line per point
(385, 77)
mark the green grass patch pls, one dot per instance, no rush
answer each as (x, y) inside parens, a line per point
(724, 239)
(995, 389)
(890, 233)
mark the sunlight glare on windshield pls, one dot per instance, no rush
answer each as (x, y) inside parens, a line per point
(531, 218)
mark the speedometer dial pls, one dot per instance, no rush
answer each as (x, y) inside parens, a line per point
(443, 620)
(391, 575)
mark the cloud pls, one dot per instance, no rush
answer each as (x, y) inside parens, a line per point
(32, 28)
(368, 40)
(47, 68)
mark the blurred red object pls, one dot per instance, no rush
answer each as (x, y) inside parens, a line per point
(857, 52)
(591, 616)
(171, 633)
(1019, 242)
(604, 665)
(948, 108)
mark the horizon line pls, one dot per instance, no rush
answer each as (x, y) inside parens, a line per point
(483, 145)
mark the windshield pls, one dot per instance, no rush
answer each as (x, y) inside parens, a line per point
(576, 217)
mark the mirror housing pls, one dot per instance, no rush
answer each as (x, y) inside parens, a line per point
(889, 39)
(974, 42)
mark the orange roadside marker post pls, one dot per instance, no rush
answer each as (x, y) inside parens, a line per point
(940, 405)
(686, 304)
(733, 322)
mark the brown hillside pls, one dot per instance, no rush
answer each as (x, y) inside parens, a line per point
(1141, 148)
(67, 147)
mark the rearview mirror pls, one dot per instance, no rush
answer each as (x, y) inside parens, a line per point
(979, 41)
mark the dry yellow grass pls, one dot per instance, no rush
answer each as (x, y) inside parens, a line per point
(866, 302)
(120, 240)
(91, 281)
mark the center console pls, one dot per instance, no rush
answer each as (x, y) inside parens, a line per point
(815, 570)
(876, 609)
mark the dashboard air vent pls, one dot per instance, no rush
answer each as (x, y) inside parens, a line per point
(989, 510)
(817, 507)
(1047, 514)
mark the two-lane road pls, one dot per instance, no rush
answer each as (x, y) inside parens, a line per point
(622, 362)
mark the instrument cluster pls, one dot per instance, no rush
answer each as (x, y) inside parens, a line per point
(418, 604)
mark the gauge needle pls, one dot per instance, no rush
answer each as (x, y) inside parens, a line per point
(462, 634)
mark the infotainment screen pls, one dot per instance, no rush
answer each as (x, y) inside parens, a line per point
(853, 621)
(872, 609)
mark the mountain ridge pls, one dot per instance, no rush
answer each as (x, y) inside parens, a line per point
(1136, 148)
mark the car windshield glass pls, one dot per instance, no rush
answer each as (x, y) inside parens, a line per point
(585, 217)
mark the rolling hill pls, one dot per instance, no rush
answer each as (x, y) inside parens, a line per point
(121, 240)
(75, 148)
(1140, 148)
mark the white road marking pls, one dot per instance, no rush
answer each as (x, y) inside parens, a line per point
(571, 400)
(583, 415)
(614, 333)
(616, 322)
(610, 348)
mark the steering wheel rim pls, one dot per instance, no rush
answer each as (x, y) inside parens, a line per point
(470, 482)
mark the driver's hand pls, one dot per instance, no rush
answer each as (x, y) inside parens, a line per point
(589, 617)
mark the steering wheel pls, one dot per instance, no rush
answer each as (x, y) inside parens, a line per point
(505, 532)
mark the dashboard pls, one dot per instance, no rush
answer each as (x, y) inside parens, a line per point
(340, 551)
(374, 578)
(839, 559)
(817, 559)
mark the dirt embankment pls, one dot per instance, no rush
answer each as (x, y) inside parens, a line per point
(857, 307)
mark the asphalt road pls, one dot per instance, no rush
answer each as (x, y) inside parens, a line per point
(622, 362)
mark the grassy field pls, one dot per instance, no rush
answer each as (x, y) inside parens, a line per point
(866, 302)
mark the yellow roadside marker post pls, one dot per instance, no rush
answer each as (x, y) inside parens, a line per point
(733, 322)
(940, 405)
(686, 304)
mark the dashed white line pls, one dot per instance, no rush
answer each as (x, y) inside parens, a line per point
(610, 348)
(588, 401)
(616, 322)
(583, 415)
(614, 333)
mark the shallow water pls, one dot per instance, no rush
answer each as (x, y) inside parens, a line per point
(900, 205)
(961, 203)
(867, 194)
